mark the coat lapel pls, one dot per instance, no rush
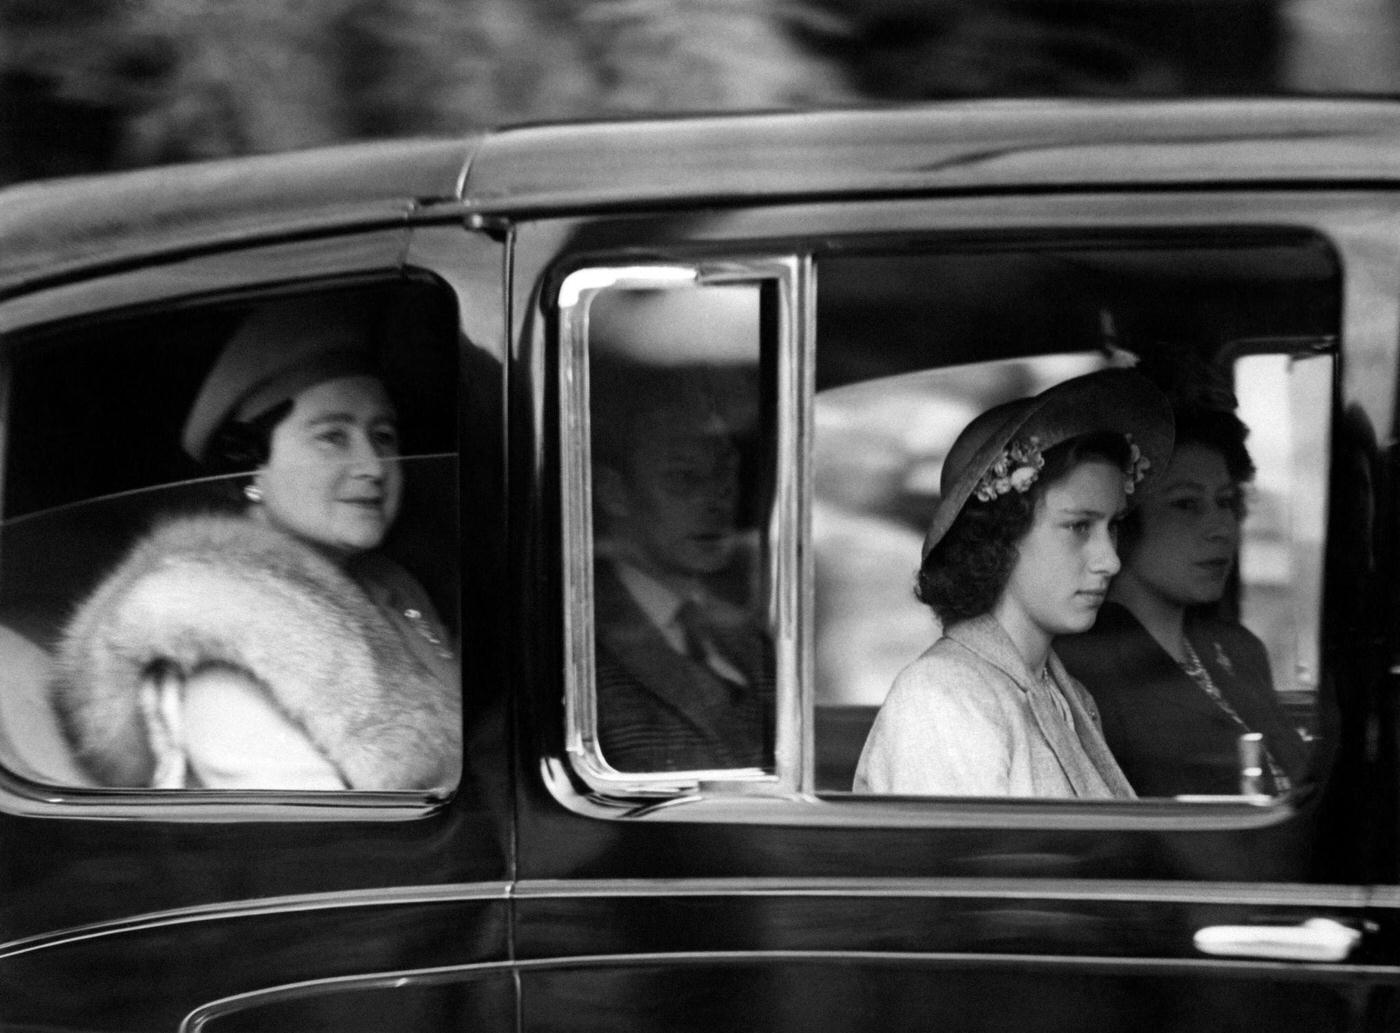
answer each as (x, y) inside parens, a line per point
(985, 636)
(1160, 674)
(1086, 722)
(639, 649)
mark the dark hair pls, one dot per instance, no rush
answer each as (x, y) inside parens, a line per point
(241, 446)
(1219, 430)
(967, 570)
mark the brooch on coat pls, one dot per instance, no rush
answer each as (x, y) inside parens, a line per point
(1224, 661)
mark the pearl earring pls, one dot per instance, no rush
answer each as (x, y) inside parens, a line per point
(252, 493)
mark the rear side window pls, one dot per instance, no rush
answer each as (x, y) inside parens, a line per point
(807, 406)
(228, 553)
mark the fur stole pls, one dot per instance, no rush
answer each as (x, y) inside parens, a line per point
(227, 591)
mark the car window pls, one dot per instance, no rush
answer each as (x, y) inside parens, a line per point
(817, 400)
(681, 425)
(1231, 534)
(1286, 397)
(228, 556)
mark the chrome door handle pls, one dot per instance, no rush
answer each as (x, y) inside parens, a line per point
(1317, 939)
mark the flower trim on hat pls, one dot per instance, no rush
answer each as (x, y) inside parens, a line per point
(1138, 465)
(1020, 463)
(1016, 469)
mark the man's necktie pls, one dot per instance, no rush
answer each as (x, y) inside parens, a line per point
(706, 642)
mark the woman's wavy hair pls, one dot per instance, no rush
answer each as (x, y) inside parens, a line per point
(241, 446)
(966, 572)
(1219, 430)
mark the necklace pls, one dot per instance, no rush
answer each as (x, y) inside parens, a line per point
(1196, 671)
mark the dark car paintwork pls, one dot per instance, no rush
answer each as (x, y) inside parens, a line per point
(506, 907)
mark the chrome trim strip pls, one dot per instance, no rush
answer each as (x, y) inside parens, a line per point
(796, 572)
(757, 804)
(1137, 891)
(1385, 897)
(1319, 972)
(328, 901)
(1133, 890)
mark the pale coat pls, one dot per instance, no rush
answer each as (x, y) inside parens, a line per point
(960, 721)
(226, 594)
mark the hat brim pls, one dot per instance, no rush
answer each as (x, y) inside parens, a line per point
(1112, 401)
(281, 348)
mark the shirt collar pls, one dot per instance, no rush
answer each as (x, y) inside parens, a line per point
(655, 599)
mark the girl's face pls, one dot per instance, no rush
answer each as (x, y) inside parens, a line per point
(1068, 557)
(1190, 530)
(332, 477)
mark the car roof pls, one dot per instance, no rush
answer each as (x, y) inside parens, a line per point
(948, 147)
(49, 228)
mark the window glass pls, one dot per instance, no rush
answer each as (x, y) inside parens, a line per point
(228, 554)
(1281, 550)
(910, 348)
(709, 439)
(681, 466)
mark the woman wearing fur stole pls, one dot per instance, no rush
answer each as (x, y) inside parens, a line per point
(272, 649)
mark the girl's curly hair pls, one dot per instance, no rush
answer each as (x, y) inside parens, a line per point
(964, 574)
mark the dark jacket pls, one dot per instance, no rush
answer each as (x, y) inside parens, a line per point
(1168, 735)
(659, 710)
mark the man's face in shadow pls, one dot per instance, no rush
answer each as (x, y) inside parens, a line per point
(671, 503)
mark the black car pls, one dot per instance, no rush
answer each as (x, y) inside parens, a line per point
(850, 288)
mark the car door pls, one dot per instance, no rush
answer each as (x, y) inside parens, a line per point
(125, 907)
(841, 346)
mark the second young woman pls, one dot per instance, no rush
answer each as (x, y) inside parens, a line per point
(1020, 549)
(1176, 683)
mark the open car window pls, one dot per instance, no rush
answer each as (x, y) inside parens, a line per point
(837, 394)
(228, 552)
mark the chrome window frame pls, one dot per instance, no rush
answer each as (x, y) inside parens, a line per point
(791, 274)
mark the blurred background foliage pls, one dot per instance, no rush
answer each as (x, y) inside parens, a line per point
(90, 85)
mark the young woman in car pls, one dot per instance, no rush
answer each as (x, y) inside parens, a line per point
(1176, 685)
(1020, 550)
(273, 648)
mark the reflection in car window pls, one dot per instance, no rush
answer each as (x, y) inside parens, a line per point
(262, 628)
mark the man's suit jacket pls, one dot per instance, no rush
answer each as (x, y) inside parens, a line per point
(660, 710)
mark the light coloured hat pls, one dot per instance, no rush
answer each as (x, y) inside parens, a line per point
(278, 351)
(1113, 401)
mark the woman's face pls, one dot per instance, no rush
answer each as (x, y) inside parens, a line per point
(332, 476)
(1068, 557)
(1190, 530)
